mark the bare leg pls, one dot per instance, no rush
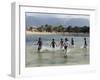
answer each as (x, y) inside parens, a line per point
(65, 53)
(39, 48)
(85, 46)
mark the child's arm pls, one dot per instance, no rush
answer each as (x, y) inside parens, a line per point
(68, 43)
(59, 44)
(35, 43)
(56, 44)
(63, 44)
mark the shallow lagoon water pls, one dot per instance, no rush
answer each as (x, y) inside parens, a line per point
(52, 57)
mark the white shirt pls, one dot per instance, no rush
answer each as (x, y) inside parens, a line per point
(66, 43)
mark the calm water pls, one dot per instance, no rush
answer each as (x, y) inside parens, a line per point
(49, 56)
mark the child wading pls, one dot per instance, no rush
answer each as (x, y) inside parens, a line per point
(61, 43)
(72, 42)
(39, 43)
(53, 44)
(85, 43)
(66, 44)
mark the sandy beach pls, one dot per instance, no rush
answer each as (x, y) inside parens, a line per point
(56, 33)
(40, 33)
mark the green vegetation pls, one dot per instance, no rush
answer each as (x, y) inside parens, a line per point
(61, 28)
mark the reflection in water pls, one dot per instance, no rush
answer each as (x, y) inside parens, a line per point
(84, 51)
(39, 59)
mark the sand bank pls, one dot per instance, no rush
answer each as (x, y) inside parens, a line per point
(58, 33)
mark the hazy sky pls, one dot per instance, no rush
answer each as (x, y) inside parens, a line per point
(37, 19)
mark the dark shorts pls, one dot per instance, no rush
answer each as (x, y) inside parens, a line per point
(72, 43)
(53, 46)
(65, 47)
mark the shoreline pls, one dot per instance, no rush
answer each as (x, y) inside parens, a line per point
(58, 33)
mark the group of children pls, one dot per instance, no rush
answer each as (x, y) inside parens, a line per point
(63, 44)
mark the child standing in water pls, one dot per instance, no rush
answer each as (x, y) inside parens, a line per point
(72, 42)
(53, 43)
(66, 44)
(61, 43)
(39, 43)
(85, 43)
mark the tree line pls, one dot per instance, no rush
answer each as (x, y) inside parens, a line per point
(61, 28)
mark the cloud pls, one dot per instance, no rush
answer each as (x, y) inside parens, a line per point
(46, 15)
(72, 16)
